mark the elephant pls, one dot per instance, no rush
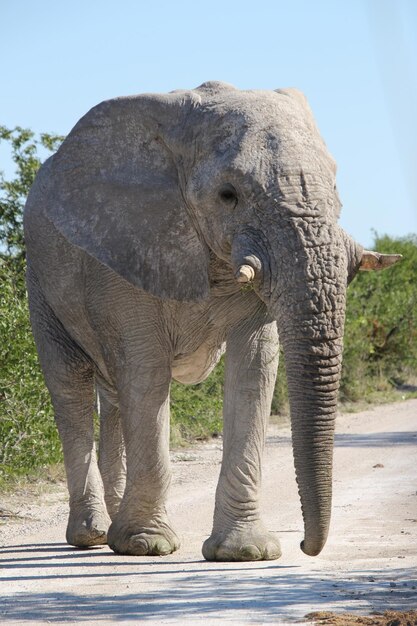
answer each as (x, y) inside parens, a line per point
(166, 230)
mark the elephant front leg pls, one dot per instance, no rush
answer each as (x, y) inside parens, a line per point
(141, 526)
(251, 365)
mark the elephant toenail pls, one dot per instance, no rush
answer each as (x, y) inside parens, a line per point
(162, 548)
(138, 546)
(250, 553)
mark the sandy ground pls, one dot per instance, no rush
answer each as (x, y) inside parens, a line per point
(369, 563)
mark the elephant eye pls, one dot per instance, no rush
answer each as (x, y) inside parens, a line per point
(228, 195)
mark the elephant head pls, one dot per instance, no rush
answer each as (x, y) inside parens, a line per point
(151, 185)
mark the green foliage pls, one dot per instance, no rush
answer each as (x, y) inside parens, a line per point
(28, 437)
(26, 152)
(196, 410)
(381, 324)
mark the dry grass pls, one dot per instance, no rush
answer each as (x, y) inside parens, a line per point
(388, 618)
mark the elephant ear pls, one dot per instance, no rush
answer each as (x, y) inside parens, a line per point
(115, 192)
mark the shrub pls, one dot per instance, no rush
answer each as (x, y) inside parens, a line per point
(381, 324)
(28, 436)
(196, 410)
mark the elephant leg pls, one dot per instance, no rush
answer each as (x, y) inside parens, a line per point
(251, 364)
(69, 377)
(112, 456)
(141, 526)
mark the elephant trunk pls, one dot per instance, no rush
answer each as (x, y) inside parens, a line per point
(304, 286)
(310, 316)
(313, 374)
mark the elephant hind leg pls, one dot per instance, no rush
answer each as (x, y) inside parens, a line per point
(112, 454)
(70, 379)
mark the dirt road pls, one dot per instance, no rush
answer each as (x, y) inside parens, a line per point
(368, 564)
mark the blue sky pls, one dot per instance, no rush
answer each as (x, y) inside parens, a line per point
(356, 60)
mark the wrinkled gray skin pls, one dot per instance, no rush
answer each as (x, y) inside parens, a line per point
(135, 230)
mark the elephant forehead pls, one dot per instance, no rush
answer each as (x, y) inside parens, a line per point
(300, 172)
(265, 128)
(260, 110)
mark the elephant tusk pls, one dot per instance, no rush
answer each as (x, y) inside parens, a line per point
(372, 261)
(245, 274)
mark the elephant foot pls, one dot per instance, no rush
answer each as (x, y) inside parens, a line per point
(87, 529)
(253, 543)
(147, 540)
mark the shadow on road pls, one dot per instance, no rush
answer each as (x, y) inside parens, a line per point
(165, 589)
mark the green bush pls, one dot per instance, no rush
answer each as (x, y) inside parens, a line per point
(381, 324)
(28, 436)
(27, 153)
(196, 410)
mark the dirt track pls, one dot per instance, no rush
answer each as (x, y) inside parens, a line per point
(369, 563)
